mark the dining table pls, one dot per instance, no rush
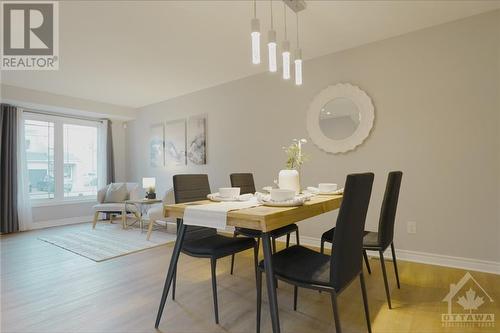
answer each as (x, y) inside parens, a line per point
(263, 218)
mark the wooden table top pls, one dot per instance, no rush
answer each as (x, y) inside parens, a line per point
(267, 218)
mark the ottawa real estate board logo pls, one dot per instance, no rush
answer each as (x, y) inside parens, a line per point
(30, 37)
(469, 305)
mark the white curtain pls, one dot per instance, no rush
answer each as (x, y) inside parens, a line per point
(24, 213)
(101, 154)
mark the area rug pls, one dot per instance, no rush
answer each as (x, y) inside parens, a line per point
(106, 241)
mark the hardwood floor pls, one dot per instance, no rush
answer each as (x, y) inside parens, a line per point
(48, 289)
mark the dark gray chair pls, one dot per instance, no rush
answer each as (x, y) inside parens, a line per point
(204, 242)
(381, 240)
(246, 184)
(307, 268)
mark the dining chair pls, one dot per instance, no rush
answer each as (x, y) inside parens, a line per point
(306, 268)
(202, 242)
(247, 185)
(381, 240)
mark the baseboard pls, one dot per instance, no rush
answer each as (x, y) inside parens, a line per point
(60, 222)
(420, 257)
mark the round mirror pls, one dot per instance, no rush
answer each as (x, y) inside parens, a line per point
(339, 118)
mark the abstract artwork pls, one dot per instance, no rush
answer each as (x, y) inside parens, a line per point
(197, 140)
(156, 154)
(175, 143)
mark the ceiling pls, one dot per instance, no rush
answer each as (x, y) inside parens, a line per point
(135, 53)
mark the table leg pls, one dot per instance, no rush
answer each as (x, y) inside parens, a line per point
(171, 270)
(271, 282)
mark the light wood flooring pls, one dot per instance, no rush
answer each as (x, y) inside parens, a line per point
(48, 289)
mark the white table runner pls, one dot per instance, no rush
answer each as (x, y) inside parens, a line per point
(214, 215)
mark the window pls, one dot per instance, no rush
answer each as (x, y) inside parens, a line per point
(80, 160)
(40, 158)
(62, 158)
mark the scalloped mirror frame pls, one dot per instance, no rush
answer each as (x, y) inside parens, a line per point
(365, 106)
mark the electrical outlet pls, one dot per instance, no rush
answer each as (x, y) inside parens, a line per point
(411, 227)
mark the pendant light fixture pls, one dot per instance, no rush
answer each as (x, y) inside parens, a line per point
(271, 44)
(296, 6)
(298, 58)
(255, 25)
(286, 50)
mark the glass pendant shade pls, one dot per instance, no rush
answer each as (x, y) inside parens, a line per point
(286, 60)
(298, 67)
(255, 41)
(271, 46)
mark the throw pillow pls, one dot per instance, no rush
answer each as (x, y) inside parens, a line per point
(117, 192)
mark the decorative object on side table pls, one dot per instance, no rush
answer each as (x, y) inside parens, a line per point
(289, 179)
(149, 184)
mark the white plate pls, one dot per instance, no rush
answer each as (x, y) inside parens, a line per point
(336, 192)
(217, 198)
(220, 199)
(282, 204)
(328, 193)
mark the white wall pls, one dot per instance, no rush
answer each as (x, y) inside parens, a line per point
(70, 212)
(437, 119)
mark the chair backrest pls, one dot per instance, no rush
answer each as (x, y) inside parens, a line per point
(134, 191)
(244, 181)
(347, 256)
(192, 187)
(389, 208)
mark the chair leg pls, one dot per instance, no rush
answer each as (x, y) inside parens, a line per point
(124, 219)
(287, 240)
(295, 292)
(297, 241)
(336, 312)
(367, 263)
(395, 264)
(322, 247)
(96, 216)
(232, 256)
(174, 282)
(213, 263)
(150, 228)
(365, 302)
(259, 299)
(382, 263)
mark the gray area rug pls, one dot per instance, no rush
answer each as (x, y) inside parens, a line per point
(106, 241)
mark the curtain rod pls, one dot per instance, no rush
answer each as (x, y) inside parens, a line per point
(62, 115)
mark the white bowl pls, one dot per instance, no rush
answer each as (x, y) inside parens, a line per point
(229, 192)
(282, 195)
(327, 187)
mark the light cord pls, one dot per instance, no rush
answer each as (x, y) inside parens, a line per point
(272, 25)
(297, 30)
(284, 15)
